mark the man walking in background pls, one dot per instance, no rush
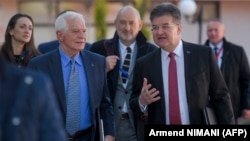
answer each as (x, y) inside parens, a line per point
(233, 63)
(122, 51)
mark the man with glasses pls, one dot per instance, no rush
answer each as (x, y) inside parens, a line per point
(175, 82)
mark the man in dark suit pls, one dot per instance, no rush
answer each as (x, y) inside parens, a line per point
(52, 45)
(187, 70)
(95, 104)
(115, 51)
(28, 108)
(233, 63)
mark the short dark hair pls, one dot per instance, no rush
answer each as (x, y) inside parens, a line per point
(166, 8)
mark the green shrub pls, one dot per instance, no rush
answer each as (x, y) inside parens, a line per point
(142, 6)
(100, 19)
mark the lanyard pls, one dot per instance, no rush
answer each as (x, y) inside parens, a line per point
(218, 53)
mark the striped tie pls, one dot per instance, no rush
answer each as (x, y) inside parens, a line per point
(125, 66)
(73, 101)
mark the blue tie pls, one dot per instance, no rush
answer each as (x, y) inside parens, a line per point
(73, 101)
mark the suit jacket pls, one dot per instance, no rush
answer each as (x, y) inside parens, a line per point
(236, 73)
(28, 108)
(108, 47)
(49, 46)
(50, 63)
(203, 81)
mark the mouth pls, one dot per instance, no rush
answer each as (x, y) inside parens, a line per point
(161, 38)
(80, 42)
(26, 36)
(126, 32)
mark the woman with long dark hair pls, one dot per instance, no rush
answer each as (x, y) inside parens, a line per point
(19, 46)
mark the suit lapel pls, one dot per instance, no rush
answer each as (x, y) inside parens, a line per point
(188, 59)
(157, 66)
(113, 75)
(225, 59)
(89, 67)
(57, 77)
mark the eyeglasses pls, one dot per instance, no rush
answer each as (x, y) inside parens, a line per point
(164, 27)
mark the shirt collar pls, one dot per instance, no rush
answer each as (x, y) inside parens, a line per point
(123, 47)
(178, 50)
(219, 45)
(66, 59)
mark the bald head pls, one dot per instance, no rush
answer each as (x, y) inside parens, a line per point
(215, 31)
(126, 10)
(128, 24)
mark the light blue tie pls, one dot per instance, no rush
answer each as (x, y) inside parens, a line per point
(73, 101)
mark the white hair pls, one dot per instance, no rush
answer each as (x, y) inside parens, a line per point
(61, 23)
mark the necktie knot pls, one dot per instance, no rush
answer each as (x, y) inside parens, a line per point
(215, 50)
(128, 50)
(171, 55)
(72, 61)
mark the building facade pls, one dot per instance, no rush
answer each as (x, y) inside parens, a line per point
(234, 13)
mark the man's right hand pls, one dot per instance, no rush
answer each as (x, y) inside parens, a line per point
(111, 61)
(148, 95)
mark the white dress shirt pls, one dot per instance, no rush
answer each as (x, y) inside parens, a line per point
(179, 57)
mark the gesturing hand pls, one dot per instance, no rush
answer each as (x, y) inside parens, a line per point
(148, 95)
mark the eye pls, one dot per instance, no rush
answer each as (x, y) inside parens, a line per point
(154, 28)
(122, 22)
(165, 27)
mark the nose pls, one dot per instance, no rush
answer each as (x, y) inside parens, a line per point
(27, 29)
(127, 26)
(159, 30)
(82, 35)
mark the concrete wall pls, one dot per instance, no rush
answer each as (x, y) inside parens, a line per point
(236, 17)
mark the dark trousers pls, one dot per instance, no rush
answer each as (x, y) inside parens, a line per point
(84, 135)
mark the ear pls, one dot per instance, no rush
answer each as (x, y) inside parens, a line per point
(116, 23)
(179, 29)
(140, 24)
(59, 35)
(224, 31)
(11, 32)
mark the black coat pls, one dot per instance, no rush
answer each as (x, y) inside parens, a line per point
(236, 72)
